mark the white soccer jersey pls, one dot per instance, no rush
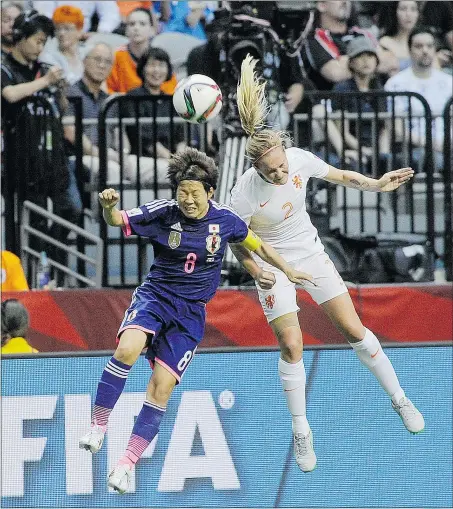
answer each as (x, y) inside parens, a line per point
(277, 213)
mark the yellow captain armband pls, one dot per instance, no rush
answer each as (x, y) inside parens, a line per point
(252, 242)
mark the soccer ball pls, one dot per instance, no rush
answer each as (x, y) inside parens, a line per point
(197, 99)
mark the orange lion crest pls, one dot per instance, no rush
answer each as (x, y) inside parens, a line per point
(297, 181)
(270, 301)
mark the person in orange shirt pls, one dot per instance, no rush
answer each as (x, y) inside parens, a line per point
(15, 322)
(139, 30)
(12, 273)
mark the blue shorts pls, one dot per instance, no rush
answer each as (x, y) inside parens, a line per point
(174, 326)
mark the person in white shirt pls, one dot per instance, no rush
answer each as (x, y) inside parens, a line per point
(434, 85)
(107, 10)
(270, 197)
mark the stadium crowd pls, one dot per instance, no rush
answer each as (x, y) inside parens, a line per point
(60, 50)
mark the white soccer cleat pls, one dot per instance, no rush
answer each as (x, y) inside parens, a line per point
(411, 417)
(304, 452)
(93, 440)
(119, 478)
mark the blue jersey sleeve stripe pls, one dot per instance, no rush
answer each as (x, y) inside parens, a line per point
(157, 205)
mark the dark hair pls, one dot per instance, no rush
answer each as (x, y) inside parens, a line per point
(145, 11)
(387, 18)
(191, 164)
(31, 22)
(420, 30)
(351, 22)
(154, 54)
(15, 320)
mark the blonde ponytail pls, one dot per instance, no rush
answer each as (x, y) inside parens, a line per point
(253, 110)
(251, 97)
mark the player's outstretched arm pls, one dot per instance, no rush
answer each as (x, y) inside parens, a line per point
(108, 199)
(388, 182)
(267, 253)
(265, 279)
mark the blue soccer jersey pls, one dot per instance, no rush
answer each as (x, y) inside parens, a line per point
(187, 252)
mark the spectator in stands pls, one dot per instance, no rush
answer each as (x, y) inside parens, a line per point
(439, 17)
(126, 7)
(139, 30)
(15, 323)
(68, 22)
(34, 169)
(185, 17)
(154, 68)
(12, 273)
(434, 85)
(363, 62)
(324, 51)
(97, 62)
(397, 20)
(106, 10)
(9, 11)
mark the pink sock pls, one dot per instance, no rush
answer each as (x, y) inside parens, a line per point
(129, 458)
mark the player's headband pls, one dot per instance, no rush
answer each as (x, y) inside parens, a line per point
(265, 152)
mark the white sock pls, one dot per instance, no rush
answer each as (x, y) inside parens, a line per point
(370, 353)
(293, 378)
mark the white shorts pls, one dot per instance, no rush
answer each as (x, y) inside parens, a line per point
(281, 298)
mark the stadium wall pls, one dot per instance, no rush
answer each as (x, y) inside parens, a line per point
(226, 439)
(89, 319)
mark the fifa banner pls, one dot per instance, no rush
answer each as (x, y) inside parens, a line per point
(226, 438)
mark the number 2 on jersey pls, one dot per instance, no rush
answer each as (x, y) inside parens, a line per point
(189, 266)
(288, 205)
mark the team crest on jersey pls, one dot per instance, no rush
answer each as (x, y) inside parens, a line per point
(174, 239)
(297, 181)
(213, 243)
(270, 301)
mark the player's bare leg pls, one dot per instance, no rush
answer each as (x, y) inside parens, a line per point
(111, 386)
(367, 347)
(291, 370)
(146, 427)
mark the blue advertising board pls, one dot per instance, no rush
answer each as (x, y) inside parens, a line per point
(226, 438)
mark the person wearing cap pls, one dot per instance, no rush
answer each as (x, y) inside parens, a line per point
(363, 61)
(106, 11)
(68, 21)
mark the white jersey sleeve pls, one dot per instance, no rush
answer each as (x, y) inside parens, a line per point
(317, 167)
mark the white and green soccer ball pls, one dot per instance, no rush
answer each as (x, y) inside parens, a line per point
(197, 99)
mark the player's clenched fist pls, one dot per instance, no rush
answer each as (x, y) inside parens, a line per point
(109, 198)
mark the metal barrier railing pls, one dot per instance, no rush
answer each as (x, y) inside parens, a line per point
(448, 169)
(28, 232)
(350, 210)
(327, 130)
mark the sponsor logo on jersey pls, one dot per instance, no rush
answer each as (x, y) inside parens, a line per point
(297, 181)
(270, 301)
(174, 239)
(134, 212)
(265, 203)
(214, 228)
(213, 243)
(176, 226)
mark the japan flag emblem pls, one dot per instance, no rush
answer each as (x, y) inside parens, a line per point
(213, 243)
